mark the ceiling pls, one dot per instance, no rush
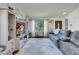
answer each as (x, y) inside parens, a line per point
(46, 9)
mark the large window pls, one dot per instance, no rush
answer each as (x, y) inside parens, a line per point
(39, 27)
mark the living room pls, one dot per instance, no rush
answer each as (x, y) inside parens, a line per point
(33, 29)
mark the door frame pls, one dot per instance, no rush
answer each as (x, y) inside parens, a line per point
(58, 22)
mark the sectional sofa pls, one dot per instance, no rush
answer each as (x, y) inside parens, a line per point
(66, 41)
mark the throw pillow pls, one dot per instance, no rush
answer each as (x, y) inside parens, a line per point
(56, 31)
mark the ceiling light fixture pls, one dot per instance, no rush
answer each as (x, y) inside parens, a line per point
(64, 13)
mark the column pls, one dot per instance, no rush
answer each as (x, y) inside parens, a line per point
(3, 27)
(45, 27)
(33, 27)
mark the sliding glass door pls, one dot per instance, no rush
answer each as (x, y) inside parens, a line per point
(39, 27)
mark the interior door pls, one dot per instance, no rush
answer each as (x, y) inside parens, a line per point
(58, 24)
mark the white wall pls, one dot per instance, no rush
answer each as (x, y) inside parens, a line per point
(73, 20)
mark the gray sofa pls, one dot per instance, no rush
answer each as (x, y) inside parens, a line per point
(70, 46)
(66, 41)
(55, 37)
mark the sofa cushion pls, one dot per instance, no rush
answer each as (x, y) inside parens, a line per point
(62, 31)
(66, 47)
(75, 38)
(64, 34)
(53, 38)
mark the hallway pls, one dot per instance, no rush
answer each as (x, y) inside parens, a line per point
(39, 46)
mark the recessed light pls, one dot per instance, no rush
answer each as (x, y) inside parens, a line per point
(64, 13)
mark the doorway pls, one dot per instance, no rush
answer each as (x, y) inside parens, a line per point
(58, 24)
